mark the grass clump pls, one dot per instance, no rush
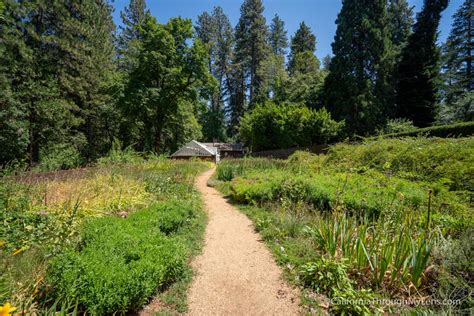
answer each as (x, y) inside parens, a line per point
(231, 168)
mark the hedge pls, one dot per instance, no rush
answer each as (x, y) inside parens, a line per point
(450, 130)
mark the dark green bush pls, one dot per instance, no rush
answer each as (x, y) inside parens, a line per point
(272, 126)
(122, 262)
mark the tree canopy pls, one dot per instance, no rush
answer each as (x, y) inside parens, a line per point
(419, 67)
(72, 85)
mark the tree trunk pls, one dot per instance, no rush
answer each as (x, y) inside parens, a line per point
(158, 130)
(33, 146)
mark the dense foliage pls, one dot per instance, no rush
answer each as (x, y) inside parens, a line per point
(162, 91)
(358, 87)
(71, 84)
(418, 70)
(120, 263)
(102, 239)
(406, 128)
(55, 63)
(366, 221)
(458, 66)
(271, 126)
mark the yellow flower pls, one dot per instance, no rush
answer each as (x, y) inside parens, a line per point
(6, 309)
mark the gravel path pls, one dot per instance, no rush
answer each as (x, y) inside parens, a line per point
(236, 274)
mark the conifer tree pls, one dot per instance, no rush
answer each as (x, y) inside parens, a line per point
(273, 70)
(35, 108)
(16, 65)
(303, 44)
(237, 98)
(132, 16)
(400, 19)
(326, 61)
(418, 71)
(278, 36)
(400, 23)
(458, 54)
(216, 32)
(303, 40)
(129, 39)
(357, 87)
(87, 50)
(251, 47)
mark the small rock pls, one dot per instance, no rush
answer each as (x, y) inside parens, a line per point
(123, 214)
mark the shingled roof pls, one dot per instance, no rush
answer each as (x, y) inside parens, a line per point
(226, 146)
(195, 149)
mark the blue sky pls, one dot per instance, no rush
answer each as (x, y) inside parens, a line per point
(320, 15)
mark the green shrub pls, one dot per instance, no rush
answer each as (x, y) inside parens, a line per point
(326, 276)
(418, 159)
(398, 126)
(118, 155)
(330, 277)
(122, 262)
(173, 216)
(304, 162)
(272, 126)
(450, 130)
(359, 193)
(227, 171)
(59, 157)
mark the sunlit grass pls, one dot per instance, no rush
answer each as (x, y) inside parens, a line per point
(44, 214)
(376, 219)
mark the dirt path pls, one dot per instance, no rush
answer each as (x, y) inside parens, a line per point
(236, 274)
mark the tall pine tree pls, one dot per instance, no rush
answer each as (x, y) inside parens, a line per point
(251, 47)
(357, 88)
(458, 54)
(237, 99)
(86, 48)
(400, 19)
(277, 37)
(304, 40)
(273, 67)
(419, 68)
(303, 45)
(129, 38)
(57, 56)
(216, 32)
